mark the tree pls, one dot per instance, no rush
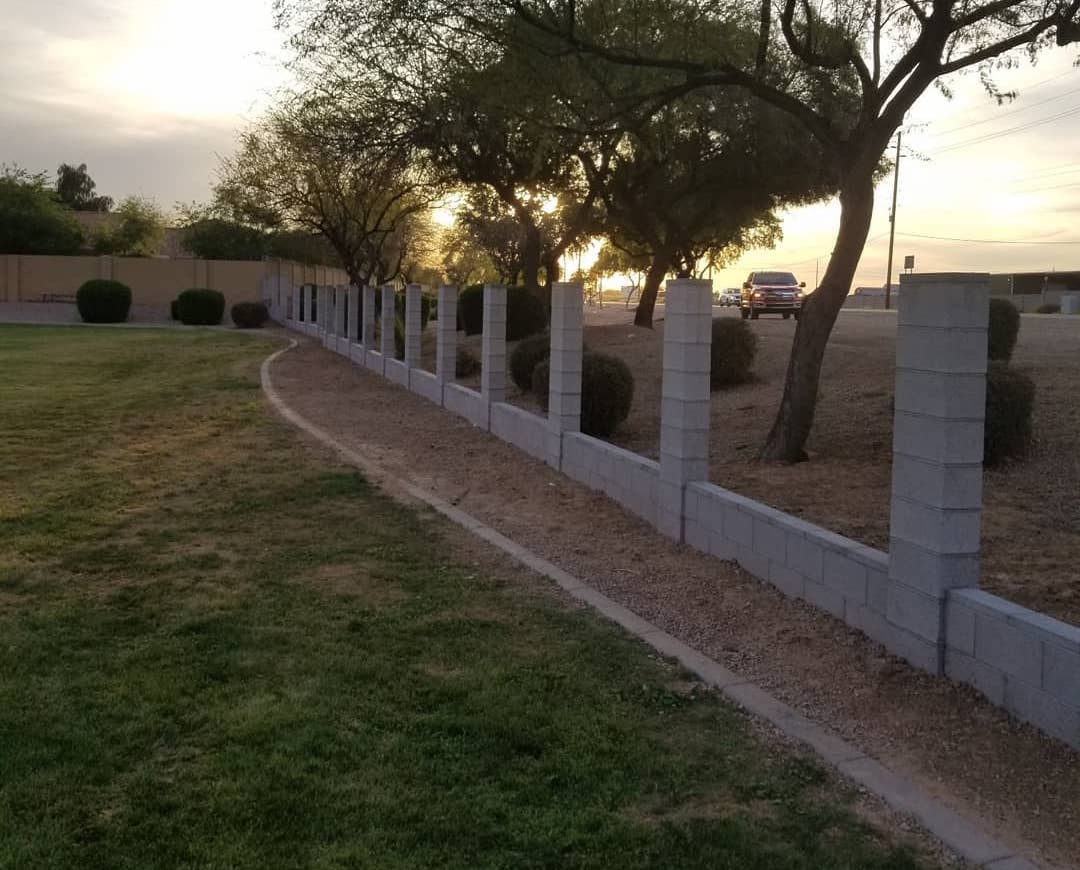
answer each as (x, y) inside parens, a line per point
(693, 182)
(465, 261)
(291, 172)
(75, 188)
(619, 256)
(32, 220)
(207, 234)
(136, 229)
(800, 61)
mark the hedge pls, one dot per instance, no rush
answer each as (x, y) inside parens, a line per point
(1010, 399)
(607, 392)
(1004, 329)
(734, 346)
(103, 301)
(249, 315)
(526, 313)
(199, 306)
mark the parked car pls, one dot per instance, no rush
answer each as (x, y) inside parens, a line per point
(771, 293)
(729, 297)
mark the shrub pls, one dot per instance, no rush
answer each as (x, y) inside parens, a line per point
(734, 346)
(1004, 329)
(526, 313)
(399, 308)
(526, 355)
(471, 309)
(249, 315)
(399, 338)
(607, 391)
(1048, 309)
(102, 301)
(466, 365)
(201, 307)
(174, 309)
(1010, 398)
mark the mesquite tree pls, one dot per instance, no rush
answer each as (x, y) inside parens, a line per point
(801, 55)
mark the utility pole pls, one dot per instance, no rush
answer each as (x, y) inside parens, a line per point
(892, 221)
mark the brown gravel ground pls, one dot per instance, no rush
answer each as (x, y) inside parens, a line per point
(944, 737)
(1031, 518)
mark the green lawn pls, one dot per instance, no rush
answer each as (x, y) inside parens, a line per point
(219, 649)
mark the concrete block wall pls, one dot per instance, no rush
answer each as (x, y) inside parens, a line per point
(922, 602)
(627, 478)
(427, 385)
(524, 430)
(395, 370)
(841, 576)
(468, 404)
(1024, 661)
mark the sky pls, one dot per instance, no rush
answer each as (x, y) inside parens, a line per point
(149, 93)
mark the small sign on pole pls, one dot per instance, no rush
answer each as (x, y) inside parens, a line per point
(909, 262)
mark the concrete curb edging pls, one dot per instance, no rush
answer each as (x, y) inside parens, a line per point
(965, 836)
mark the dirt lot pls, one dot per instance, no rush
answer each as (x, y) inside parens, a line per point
(1031, 521)
(944, 737)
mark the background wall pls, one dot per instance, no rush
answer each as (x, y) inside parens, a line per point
(154, 282)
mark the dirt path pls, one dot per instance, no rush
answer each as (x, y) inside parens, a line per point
(954, 745)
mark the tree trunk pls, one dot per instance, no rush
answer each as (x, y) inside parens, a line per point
(643, 316)
(530, 259)
(791, 428)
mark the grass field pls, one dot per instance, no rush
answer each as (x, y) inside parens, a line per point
(218, 649)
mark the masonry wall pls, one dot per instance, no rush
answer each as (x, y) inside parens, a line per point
(1023, 661)
(629, 479)
(517, 426)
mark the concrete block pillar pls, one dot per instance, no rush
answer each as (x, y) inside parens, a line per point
(564, 391)
(350, 315)
(386, 339)
(685, 398)
(340, 310)
(446, 353)
(493, 346)
(413, 324)
(367, 324)
(940, 406)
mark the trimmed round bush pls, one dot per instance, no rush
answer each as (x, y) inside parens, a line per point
(200, 307)
(1004, 329)
(466, 365)
(734, 346)
(249, 315)
(607, 391)
(1048, 309)
(174, 309)
(103, 301)
(1010, 399)
(470, 308)
(526, 314)
(528, 352)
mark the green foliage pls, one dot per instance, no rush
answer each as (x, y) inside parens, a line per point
(734, 346)
(471, 309)
(1004, 329)
(136, 230)
(1010, 400)
(607, 391)
(466, 365)
(524, 358)
(201, 307)
(32, 221)
(1048, 309)
(249, 315)
(219, 239)
(103, 301)
(75, 188)
(526, 313)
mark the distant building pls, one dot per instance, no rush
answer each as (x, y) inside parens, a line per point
(1031, 283)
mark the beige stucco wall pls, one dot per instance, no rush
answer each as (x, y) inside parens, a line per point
(153, 282)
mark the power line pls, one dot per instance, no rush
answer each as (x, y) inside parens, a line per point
(1048, 187)
(985, 241)
(978, 140)
(1027, 89)
(1000, 115)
